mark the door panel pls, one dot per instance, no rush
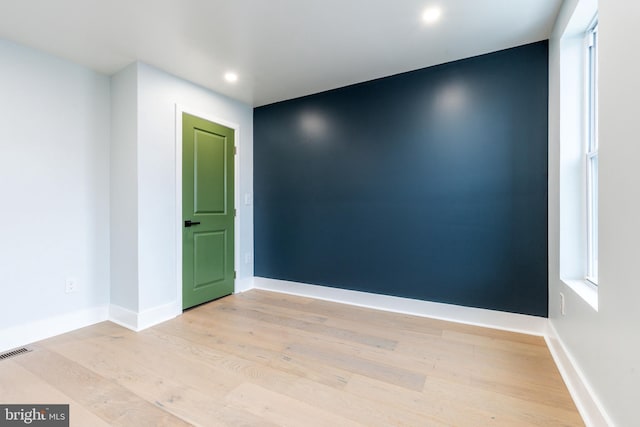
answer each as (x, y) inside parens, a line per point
(209, 163)
(207, 193)
(209, 266)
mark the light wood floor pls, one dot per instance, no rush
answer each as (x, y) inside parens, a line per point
(266, 359)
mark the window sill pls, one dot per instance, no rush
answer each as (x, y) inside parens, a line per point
(585, 290)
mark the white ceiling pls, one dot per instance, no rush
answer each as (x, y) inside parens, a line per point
(280, 49)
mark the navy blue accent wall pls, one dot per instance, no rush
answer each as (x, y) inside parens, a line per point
(430, 184)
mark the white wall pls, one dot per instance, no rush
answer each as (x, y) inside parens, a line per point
(152, 168)
(88, 184)
(54, 187)
(605, 343)
(159, 93)
(124, 189)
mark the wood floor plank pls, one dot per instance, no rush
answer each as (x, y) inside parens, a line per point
(299, 387)
(362, 315)
(283, 410)
(162, 381)
(266, 359)
(149, 382)
(102, 396)
(475, 370)
(19, 386)
(409, 379)
(255, 348)
(315, 328)
(377, 362)
(447, 411)
(459, 405)
(282, 332)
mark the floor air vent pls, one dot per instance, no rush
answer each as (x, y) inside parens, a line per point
(14, 353)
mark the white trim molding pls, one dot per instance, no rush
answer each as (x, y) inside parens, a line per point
(244, 284)
(585, 290)
(20, 335)
(144, 319)
(123, 317)
(156, 315)
(521, 323)
(589, 406)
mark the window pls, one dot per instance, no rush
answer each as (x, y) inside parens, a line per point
(575, 55)
(592, 152)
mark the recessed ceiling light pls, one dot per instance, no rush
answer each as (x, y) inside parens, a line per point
(231, 77)
(431, 15)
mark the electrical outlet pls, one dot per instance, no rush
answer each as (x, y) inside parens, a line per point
(248, 199)
(562, 306)
(248, 258)
(71, 285)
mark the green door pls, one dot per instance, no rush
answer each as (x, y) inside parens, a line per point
(207, 211)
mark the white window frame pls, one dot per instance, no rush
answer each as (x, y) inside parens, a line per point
(591, 157)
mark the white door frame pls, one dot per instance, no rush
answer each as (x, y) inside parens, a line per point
(236, 128)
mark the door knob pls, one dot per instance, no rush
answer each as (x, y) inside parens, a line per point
(189, 223)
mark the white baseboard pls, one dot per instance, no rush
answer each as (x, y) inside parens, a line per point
(21, 335)
(162, 313)
(243, 285)
(145, 319)
(589, 406)
(123, 317)
(17, 336)
(521, 323)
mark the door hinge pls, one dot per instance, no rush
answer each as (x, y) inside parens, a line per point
(235, 150)
(234, 274)
(234, 212)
